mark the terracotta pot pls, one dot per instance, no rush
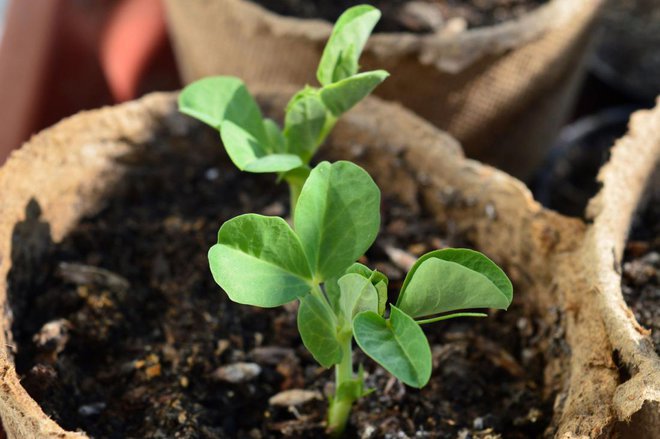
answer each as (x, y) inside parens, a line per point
(564, 269)
(503, 91)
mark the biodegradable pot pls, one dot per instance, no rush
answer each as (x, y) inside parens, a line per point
(502, 91)
(564, 270)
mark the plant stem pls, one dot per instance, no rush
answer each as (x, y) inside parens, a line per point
(338, 417)
(296, 180)
(344, 370)
(340, 407)
(294, 193)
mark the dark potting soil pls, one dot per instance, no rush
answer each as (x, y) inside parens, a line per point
(641, 267)
(422, 16)
(127, 335)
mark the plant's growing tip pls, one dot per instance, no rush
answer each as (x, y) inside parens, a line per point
(263, 261)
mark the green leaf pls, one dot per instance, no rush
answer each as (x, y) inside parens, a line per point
(377, 279)
(341, 96)
(276, 139)
(318, 329)
(248, 153)
(453, 279)
(381, 289)
(352, 390)
(337, 217)
(274, 163)
(341, 53)
(303, 124)
(216, 99)
(397, 344)
(260, 261)
(254, 145)
(357, 295)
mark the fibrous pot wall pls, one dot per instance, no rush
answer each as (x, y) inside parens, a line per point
(564, 269)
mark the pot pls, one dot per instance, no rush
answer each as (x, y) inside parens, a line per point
(503, 91)
(565, 271)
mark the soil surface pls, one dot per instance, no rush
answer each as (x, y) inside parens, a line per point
(125, 334)
(641, 267)
(420, 16)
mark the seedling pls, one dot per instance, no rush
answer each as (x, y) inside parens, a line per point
(257, 144)
(262, 261)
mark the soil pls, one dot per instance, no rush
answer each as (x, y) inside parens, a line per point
(420, 16)
(641, 267)
(125, 334)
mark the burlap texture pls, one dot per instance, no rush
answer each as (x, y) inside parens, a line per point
(502, 91)
(557, 263)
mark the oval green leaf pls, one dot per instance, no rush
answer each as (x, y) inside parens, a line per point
(377, 279)
(349, 35)
(216, 99)
(276, 139)
(341, 96)
(357, 294)
(259, 261)
(274, 163)
(249, 155)
(453, 279)
(318, 329)
(337, 217)
(397, 344)
(303, 124)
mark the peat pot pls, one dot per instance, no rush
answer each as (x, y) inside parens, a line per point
(503, 91)
(104, 226)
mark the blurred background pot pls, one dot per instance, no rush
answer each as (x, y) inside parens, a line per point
(503, 91)
(627, 56)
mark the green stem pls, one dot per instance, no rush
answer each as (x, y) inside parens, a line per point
(340, 409)
(296, 180)
(451, 316)
(344, 370)
(338, 417)
(294, 192)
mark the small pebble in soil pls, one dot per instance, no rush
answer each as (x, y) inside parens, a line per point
(237, 372)
(53, 336)
(92, 409)
(294, 397)
(272, 355)
(212, 174)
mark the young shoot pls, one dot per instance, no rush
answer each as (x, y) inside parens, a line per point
(262, 261)
(257, 144)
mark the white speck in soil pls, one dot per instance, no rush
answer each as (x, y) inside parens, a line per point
(212, 174)
(91, 409)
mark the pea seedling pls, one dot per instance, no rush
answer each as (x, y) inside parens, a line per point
(255, 144)
(263, 261)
